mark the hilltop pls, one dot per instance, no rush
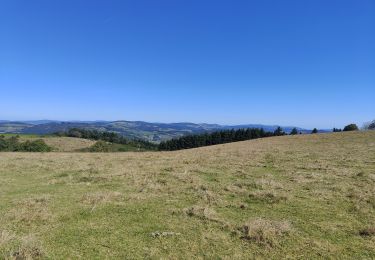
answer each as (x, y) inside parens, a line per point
(303, 196)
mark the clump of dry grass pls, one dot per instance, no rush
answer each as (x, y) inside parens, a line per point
(268, 196)
(208, 196)
(236, 188)
(97, 198)
(268, 184)
(367, 232)
(30, 248)
(6, 237)
(157, 234)
(265, 232)
(31, 210)
(203, 213)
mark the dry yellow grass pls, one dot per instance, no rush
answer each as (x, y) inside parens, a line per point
(305, 196)
(65, 144)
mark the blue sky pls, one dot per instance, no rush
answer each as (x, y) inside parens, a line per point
(306, 63)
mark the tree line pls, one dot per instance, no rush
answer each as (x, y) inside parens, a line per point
(110, 137)
(218, 137)
(228, 136)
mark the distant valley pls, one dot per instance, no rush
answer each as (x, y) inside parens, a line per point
(154, 132)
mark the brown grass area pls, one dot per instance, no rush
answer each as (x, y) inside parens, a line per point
(65, 144)
(265, 232)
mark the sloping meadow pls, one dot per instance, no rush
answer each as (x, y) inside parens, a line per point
(305, 196)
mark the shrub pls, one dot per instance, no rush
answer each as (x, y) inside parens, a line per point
(314, 131)
(34, 146)
(12, 144)
(351, 127)
(100, 146)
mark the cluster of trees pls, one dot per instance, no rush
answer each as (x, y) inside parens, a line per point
(218, 137)
(351, 127)
(108, 137)
(369, 125)
(13, 144)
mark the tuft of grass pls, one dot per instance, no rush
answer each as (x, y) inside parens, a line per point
(265, 232)
(31, 210)
(6, 237)
(204, 213)
(102, 197)
(367, 232)
(29, 248)
(267, 196)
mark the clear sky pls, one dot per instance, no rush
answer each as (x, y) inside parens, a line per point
(308, 63)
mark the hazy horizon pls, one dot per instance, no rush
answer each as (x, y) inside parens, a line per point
(172, 122)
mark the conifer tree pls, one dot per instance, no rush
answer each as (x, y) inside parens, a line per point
(294, 131)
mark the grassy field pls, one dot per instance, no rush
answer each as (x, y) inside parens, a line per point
(58, 144)
(64, 144)
(305, 196)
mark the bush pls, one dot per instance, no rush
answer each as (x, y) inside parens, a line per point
(34, 146)
(351, 127)
(12, 144)
(100, 146)
(314, 131)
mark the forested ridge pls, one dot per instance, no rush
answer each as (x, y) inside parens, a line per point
(110, 137)
(218, 137)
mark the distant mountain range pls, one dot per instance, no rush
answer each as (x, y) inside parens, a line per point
(154, 132)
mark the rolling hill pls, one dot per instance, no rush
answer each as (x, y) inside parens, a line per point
(154, 132)
(303, 196)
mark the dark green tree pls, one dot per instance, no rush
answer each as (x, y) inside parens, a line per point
(314, 131)
(294, 131)
(279, 131)
(351, 127)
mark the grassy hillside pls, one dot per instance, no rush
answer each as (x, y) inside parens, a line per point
(73, 144)
(305, 196)
(67, 144)
(58, 144)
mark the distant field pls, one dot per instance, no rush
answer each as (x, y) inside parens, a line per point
(67, 144)
(25, 135)
(304, 196)
(58, 144)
